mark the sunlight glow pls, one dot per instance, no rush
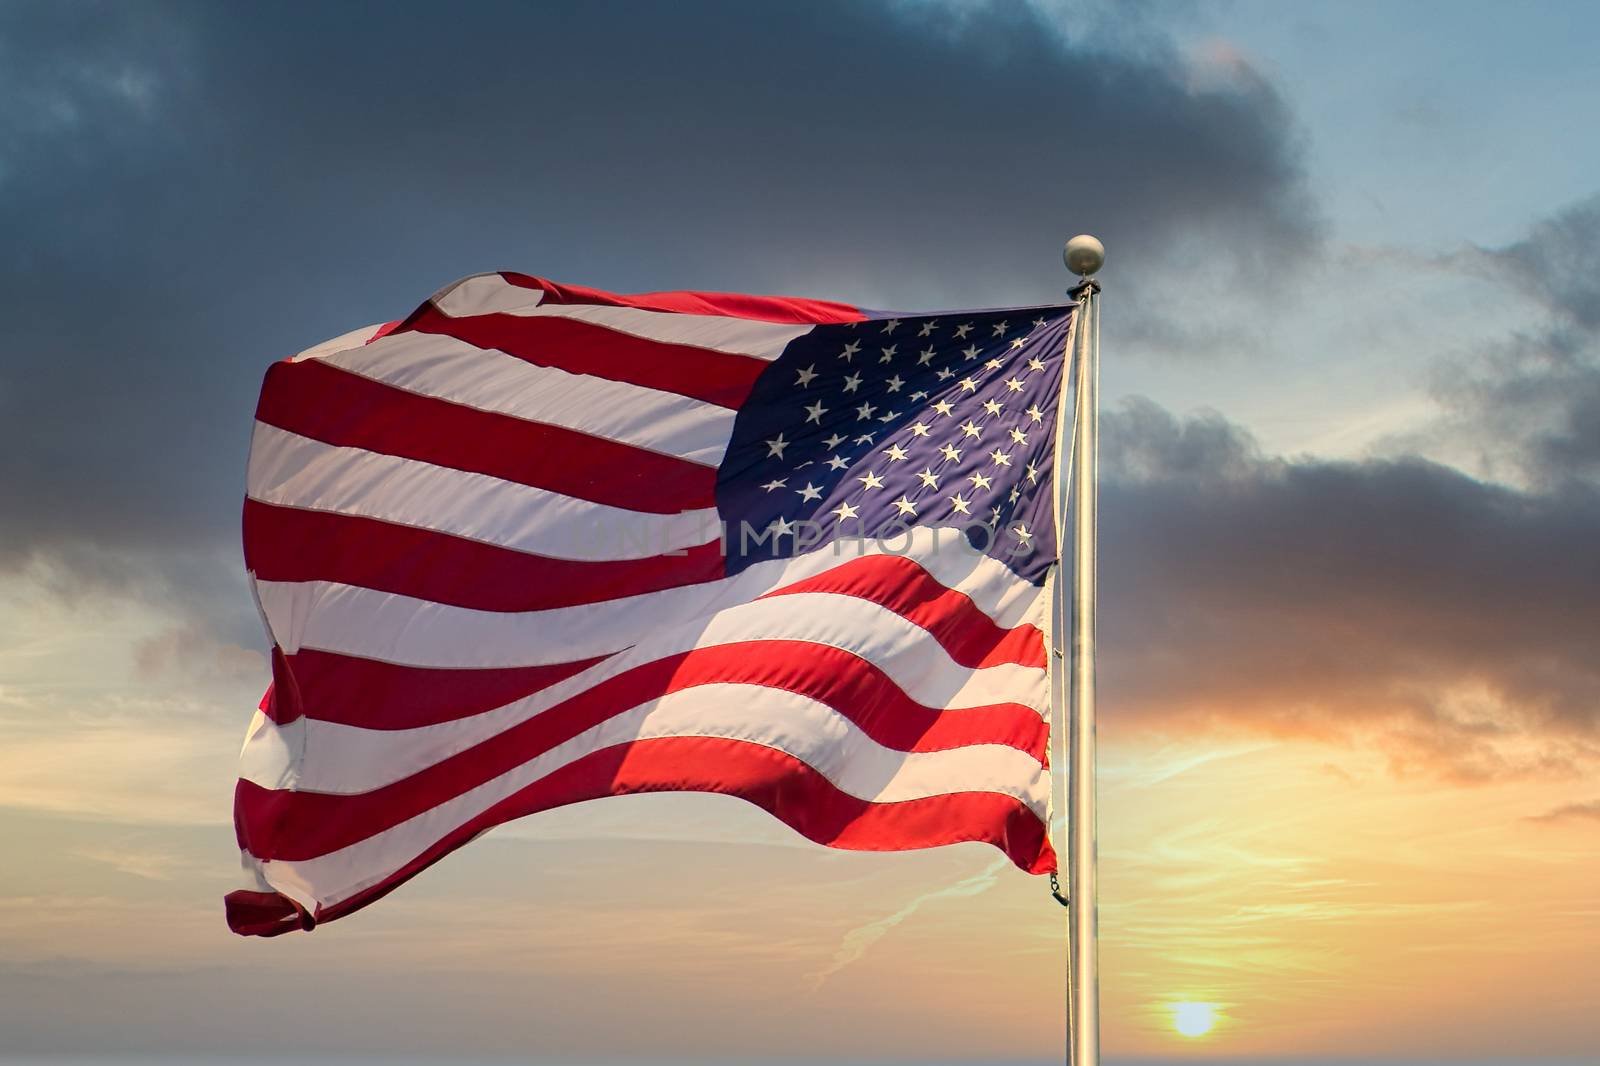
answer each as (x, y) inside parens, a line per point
(1194, 1019)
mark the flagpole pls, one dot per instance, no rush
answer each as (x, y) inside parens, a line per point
(1084, 256)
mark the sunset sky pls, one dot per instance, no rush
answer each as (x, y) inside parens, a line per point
(1350, 673)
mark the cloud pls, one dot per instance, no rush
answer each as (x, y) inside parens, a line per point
(150, 865)
(1449, 619)
(1392, 602)
(1529, 401)
(221, 186)
(1571, 812)
(1555, 263)
(859, 940)
(189, 651)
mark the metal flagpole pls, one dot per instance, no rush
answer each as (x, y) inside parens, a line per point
(1084, 256)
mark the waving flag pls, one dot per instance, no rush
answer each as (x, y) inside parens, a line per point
(538, 544)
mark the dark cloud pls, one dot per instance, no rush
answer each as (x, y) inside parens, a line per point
(1401, 603)
(1556, 263)
(192, 190)
(1531, 400)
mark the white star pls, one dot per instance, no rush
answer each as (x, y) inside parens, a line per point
(1014, 384)
(945, 373)
(959, 504)
(776, 445)
(865, 438)
(918, 429)
(905, 506)
(852, 382)
(944, 407)
(968, 385)
(1000, 458)
(925, 356)
(1000, 328)
(971, 428)
(895, 383)
(771, 485)
(1015, 492)
(890, 417)
(992, 406)
(871, 480)
(1019, 436)
(864, 412)
(850, 350)
(981, 481)
(1038, 323)
(895, 453)
(994, 517)
(1036, 414)
(927, 478)
(891, 325)
(815, 411)
(807, 376)
(834, 441)
(781, 525)
(888, 353)
(1017, 342)
(1036, 363)
(970, 352)
(1033, 474)
(927, 328)
(810, 492)
(844, 510)
(951, 452)
(919, 395)
(962, 331)
(993, 364)
(837, 462)
(1022, 533)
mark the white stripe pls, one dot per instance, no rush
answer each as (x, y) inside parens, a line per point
(319, 756)
(486, 294)
(345, 341)
(401, 629)
(449, 369)
(781, 720)
(492, 294)
(294, 471)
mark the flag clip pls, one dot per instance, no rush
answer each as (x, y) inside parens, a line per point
(1055, 890)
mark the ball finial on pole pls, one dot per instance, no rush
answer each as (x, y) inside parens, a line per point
(1084, 255)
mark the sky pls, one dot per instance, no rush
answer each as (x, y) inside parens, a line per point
(1350, 696)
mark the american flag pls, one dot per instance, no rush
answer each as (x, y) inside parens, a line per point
(538, 544)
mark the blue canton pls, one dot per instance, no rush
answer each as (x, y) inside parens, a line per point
(869, 428)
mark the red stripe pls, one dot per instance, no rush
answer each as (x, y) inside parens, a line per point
(300, 825)
(290, 544)
(370, 694)
(972, 638)
(318, 400)
(788, 309)
(264, 913)
(779, 784)
(581, 347)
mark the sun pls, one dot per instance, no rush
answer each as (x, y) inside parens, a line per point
(1193, 1019)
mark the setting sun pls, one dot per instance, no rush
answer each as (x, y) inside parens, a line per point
(1193, 1019)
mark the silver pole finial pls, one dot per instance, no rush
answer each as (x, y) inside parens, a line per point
(1084, 255)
